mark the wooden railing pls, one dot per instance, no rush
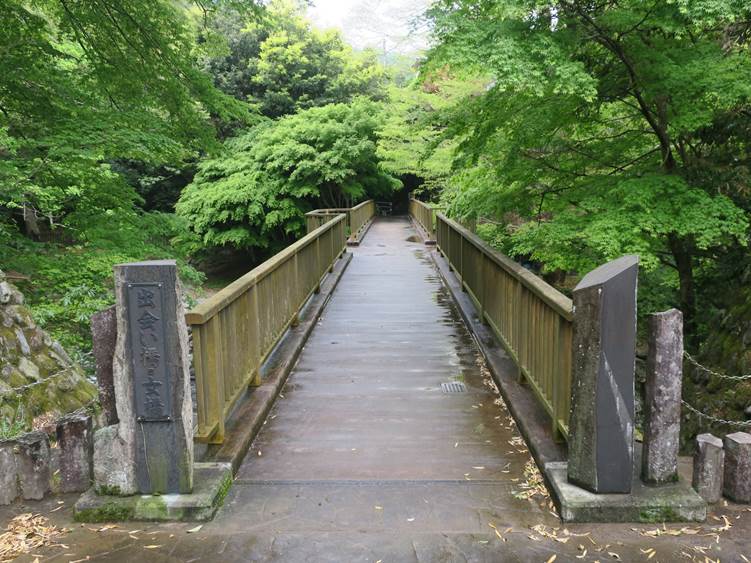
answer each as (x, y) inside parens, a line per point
(424, 214)
(531, 318)
(357, 217)
(235, 330)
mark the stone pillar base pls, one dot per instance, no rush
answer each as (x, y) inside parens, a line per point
(210, 486)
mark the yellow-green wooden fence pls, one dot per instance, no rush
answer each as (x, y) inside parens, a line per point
(235, 330)
(532, 319)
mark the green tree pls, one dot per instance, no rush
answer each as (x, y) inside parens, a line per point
(281, 64)
(611, 128)
(255, 195)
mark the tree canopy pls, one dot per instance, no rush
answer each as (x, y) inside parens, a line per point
(603, 131)
(256, 193)
(281, 65)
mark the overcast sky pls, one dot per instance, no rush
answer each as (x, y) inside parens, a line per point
(393, 25)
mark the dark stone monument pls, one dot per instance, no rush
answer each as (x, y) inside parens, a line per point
(150, 450)
(601, 427)
(662, 405)
(709, 460)
(75, 441)
(737, 481)
(33, 464)
(104, 338)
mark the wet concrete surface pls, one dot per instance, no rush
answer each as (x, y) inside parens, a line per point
(364, 458)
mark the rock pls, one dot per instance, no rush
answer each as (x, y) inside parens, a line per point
(23, 343)
(8, 475)
(28, 355)
(709, 460)
(601, 427)
(114, 471)
(28, 369)
(32, 464)
(61, 354)
(75, 440)
(6, 293)
(747, 412)
(662, 416)
(737, 481)
(104, 338)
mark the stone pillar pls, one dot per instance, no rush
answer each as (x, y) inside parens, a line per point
(708, 467)
(662, 405)
(104, 338)
(8, 473)
(601, 426)
(151, 448)
(75, 441)
(737, 482)
(33, 465)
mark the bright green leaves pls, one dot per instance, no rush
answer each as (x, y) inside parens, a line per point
(285, 65)
(256, 194)
(628, 216)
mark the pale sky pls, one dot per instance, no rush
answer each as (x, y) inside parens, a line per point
(393, 25)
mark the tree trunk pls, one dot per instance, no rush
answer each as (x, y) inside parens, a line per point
(681, 251)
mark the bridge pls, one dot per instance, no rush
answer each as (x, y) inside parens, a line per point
(386, 388)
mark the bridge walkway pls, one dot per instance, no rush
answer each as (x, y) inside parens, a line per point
(363, 442)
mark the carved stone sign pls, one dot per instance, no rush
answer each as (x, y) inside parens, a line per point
(150, 377)
(601, 432)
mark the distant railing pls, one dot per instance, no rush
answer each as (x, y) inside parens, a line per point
(532, 319)
(357, 217)
(424, 214)
(235, 330)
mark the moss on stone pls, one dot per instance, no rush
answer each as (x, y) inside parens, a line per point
(107, 512)
(223, 490)
(151, 508)
(658, 514)
(109, 490)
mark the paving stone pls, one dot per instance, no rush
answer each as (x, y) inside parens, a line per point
(33, 464)
(8, 476)
(737, 481)
(75, 441)
(709, 460)
(662, 405)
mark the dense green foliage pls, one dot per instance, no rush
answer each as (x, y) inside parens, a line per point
(603, 131)
(282, 65)
(254, 196)
(82, 86)
(610, 128)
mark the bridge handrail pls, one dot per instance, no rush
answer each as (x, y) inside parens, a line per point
(424, 214)
(235, 330)
(357, 216)
(532, 319)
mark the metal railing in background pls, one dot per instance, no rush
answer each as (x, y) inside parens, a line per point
(532, 319)
(235, 330)
(357, 217)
